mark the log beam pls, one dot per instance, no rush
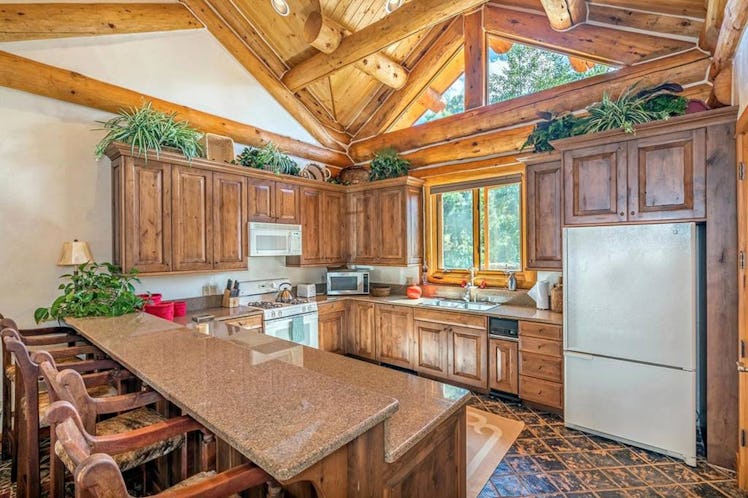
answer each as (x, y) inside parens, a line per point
(500, 45)
(688, 68)
(405, 21)
(476, 63)
(34, 77)
(629, 19)
(326, 35)
(736, 16)
(564, 14)
(432, 100)
(596, 43)
(723, 86)
(580, 65)
(715, 12)
(38, 21)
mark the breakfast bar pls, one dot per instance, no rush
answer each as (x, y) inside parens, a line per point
(340, 425)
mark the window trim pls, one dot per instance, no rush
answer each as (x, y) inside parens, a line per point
(433, 224)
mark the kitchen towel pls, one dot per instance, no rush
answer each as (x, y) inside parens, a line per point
(541, 293)
(297, 329)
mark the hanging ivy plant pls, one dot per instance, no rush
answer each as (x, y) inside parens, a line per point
(388, 164)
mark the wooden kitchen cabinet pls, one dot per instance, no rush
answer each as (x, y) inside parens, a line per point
(332, 327)
(273, 202)
(229, 221)
(334, 229)
(541, 364)
(322, 228)
(467, 356)
(394, 328)
(503, 372)
(544, 208)
(362, 334)
(311, 230)
(432, 348)
(385, 220)
(192, 218)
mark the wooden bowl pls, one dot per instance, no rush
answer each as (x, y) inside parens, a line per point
(381, 291)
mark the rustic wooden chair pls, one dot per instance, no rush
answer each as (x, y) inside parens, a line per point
(133, 414)
(27, 428)
(97, 474)
(46, 336)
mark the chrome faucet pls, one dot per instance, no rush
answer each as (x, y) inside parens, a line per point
(470, 286)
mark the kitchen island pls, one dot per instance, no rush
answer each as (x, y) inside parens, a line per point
(347, 427)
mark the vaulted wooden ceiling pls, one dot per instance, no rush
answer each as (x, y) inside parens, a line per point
(356, 77)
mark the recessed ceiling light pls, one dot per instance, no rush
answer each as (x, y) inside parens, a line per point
(391, 5)
(281, 7)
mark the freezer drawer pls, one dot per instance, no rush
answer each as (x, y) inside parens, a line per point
(645, 405)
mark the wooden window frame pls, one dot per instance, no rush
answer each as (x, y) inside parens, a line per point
(433, 225)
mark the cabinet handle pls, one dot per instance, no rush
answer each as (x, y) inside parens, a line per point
(633, 213)
(499, 365)
(622, 213)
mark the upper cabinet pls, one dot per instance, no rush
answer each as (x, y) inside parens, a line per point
(192, 218)
(385, 220)
(229, 221)
(543, 212)
(274, 202)
(659, 174)
(322, 228)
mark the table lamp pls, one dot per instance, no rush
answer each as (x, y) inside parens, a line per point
(75, 253)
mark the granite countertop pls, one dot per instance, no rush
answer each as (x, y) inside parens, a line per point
(501, 310)
(283, 405)
(219, 313)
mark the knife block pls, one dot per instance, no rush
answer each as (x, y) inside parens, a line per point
(228, 301)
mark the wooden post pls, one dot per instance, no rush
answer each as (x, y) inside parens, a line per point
(476, 61)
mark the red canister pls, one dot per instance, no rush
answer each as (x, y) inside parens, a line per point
(180, 307)
(162, 310)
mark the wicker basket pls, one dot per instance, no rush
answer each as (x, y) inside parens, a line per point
(217, 148)
(380, 291)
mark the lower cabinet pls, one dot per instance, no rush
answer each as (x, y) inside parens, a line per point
(332, 327)
(394, 342)
(541, 364)
(432, 356)
(467, 356)
(361, 339)
(503, 374)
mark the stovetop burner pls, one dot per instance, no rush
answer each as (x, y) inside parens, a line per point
(266, 305)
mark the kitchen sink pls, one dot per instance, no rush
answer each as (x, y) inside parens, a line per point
(457, 305)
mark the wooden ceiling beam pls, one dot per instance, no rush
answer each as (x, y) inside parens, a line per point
(426, 172)
(687, 68)
(715, 12)
(564, 14)
(596, 43)
(325, 35)
(430, 64)
(687, 8)
(476, 60)
(409, 19)
(735, 19)
(580, 65)
(39, 21)
(671, 26)
(500, 45)
(432, 100)
(236, 35)
(34, 77)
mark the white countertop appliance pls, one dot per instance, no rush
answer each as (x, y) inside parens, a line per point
(631, 321)
(346, 282)
(306, 290)
(274, 239)
(295, 321)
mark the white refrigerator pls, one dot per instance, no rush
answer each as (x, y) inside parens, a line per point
(631, 320)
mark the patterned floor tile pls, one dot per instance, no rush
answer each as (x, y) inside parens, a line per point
(538, 484)
(596, 479)
(651, 475)
(704, 490)
(575, 461)
(550, 462)
(567, 481)
(624, 478)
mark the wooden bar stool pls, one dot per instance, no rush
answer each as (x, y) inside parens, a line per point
(97, 474)
(28, 399)
(42, 336)
(133, 415)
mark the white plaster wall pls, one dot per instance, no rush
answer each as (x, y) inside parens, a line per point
(51, 187)
(740, 73)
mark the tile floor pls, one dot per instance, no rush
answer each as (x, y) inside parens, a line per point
(549, 460)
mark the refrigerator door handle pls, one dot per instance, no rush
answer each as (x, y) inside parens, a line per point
(581, 356)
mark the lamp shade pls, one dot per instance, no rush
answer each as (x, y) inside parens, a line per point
(75, 253)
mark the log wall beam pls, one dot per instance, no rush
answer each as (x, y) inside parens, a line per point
(302, 106)
(715, 12)
(564, 14)
(735, 19)
(688, 68)
(476, 60)
(595, 43)
(34, 77)
(672, 26)
(405, 21)
(38, 21)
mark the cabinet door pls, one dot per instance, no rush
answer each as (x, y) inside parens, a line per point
(595, 185)
(361, 340)
(311, 232)
(432, 356)
(467, 356)
(395, 335)
(332, 221)
(544, 193)
(287, 203)
(261, 200)
(364, 222)
(192, 216)
(414, 220)
(332, 332)
(229, 221)
(146, 211)
(503, 374)
(392, 227)
(667, 177)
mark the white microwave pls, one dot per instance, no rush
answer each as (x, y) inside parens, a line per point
(347, 282)
(274, 239)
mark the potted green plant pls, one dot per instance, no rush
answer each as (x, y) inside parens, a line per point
(93, 289)
(269, 158)
(145, 128)
(388, 164)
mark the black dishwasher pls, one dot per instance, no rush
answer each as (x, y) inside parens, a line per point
(503, 328)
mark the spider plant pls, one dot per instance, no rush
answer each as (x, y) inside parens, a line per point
(269, 158)
(145, 128)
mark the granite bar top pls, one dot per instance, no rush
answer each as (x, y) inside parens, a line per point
(219, 313)
(501, 310)
(283, 405)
